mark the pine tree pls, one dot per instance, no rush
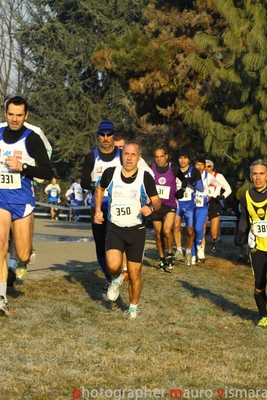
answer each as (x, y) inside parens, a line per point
(232, 117)
(153, 62)
(67, 95)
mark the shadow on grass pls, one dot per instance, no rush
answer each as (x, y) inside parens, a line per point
(88, 275)
(221, 302)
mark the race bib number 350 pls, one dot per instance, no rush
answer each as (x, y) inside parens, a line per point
(10, 180)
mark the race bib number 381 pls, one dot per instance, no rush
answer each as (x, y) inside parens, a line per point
(260, 228)
(10, 180)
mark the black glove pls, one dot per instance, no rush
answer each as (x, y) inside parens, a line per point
(239, 238)
(179, 194)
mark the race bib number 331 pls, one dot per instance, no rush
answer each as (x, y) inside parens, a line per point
(10, 180)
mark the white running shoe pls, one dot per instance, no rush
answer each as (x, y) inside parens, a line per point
(200, 254)
(178, 255)
(32, 258)
(188, 259)
(4, 306)
(114, 288)
(132, 312)
(193, 260)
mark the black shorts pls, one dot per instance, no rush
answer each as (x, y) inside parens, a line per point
(215, 210)
(128, 239)
(159, 215)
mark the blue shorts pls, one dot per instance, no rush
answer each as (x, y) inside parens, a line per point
(17, 211)
(188, 214)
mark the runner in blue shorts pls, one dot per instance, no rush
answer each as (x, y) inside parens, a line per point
(188, 181)
(202, 208)
(23, 156)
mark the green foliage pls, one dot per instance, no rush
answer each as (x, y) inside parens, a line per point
(68, 97)
(178, 73)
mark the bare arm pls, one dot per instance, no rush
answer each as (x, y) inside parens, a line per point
(154, 205)
(99, 195)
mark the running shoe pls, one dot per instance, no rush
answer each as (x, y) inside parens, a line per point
(4, 306)
(200, 254)
(188, 259)
(178, 256)
(21, 270)
(132, 312)
(114, 288)
(169, 262)
(193, 260)
(32, 258)
(263, 322)
(162, 267)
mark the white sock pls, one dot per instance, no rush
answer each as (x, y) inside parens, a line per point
(188, 251)
(13, 262)
(133, 306)
(3, 287)
(179, 249)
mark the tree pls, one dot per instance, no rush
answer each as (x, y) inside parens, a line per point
(232, 118)
(153, 62)
(197, 75)
(10, 50)
(68, 96)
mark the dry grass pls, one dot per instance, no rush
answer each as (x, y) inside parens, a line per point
(196, 330)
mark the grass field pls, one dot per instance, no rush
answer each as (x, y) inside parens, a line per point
(195, 337)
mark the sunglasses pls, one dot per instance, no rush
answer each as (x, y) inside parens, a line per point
(208, 166)
(105, 134)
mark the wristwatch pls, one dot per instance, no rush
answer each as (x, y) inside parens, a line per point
(152, 209)
(24, 166)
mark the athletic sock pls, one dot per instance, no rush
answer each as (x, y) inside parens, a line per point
(188, 251)
(260, 298)
(3, 287)
(179, 249)
(133, 306)
(13, 262)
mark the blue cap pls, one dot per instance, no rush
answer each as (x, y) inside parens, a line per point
(106, 126)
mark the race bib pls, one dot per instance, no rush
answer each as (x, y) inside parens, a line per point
(54, 193)
(187, 194)
(260, 228)
(199, 200)
(163, 191)
(10, 180)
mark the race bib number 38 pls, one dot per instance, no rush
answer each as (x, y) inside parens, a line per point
(260, 228)
(10, 180)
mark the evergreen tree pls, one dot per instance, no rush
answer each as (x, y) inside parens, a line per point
(153, 62)
(202, 64)
(232, 117)
(67, 95)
